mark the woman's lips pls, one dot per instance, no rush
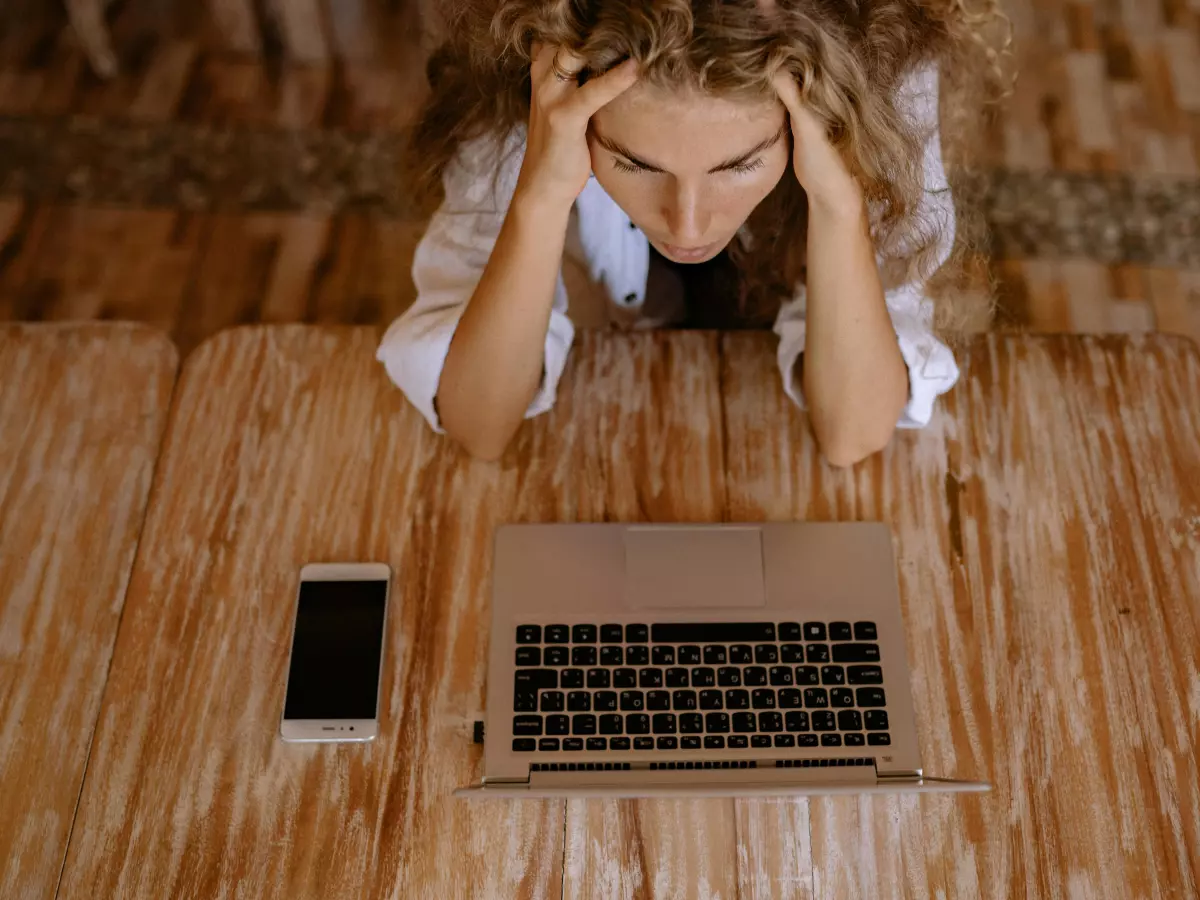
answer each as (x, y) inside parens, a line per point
(689, 254)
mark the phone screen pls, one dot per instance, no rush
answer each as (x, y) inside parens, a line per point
(334, 673)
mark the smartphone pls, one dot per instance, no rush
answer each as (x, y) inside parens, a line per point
(336, 662)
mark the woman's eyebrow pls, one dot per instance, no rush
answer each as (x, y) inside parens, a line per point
(739, 160)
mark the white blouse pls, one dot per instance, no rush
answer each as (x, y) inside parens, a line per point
(479, 185)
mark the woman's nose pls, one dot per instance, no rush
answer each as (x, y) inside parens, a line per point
(687, 217)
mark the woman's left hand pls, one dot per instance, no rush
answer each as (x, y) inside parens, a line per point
(819, 166)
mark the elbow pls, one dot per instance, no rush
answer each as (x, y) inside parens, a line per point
(481, 445)
(844, 452)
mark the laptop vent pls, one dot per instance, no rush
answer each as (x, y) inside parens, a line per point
(706, 764)
(579, 767)
(822, 763)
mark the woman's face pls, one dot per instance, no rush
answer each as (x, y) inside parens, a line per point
(688, 168)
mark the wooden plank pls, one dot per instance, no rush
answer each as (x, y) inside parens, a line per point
(235, 25)
(366, 275)
(82, 409)
(1173, 312)
(302, 28)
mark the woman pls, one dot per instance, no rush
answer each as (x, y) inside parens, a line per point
(789, 148)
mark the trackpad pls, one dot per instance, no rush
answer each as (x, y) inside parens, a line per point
(668, 568)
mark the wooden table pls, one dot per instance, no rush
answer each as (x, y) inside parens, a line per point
(82, 409)
(1048, 531)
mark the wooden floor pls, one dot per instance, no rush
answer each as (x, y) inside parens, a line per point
(1108, 99)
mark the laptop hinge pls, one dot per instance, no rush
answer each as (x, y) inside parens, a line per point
(899, 775)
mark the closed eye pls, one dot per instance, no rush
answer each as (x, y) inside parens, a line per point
(745, 168)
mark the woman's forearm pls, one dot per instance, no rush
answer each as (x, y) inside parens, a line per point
(855, 379)
(495, 361)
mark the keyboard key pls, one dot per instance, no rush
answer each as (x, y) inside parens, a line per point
(839, 631)
(637, 724)
(611, 634)
(529, 656)
(663, 656)
(611, 656)
(807, 740)
(716, 723)
(737, 742)
(529, 634)
(604, 701)
(583, 634)
(841, 697)
(548, 745)
(849, 720)
(637, 656)
(667, 743)
(781, 676)
(711, 632)
(814, 631)
(744, 722)
(833, 675)
(729, 677)
(624, 678)
(663, 723)
(865, 631)
(741, 654)
(790, 698)
(792, 653)
(868, 697)
(754, 676)
(524, 745)
(525, 702)
(572, 678)
(558, 725)
(552, 701)
(760, 740)
(583, 724)
(658, 700)
(808, 675)
(650, 678)
(714, 655)
(831, 740)
(557, 656)
(879, 739)
(703, 677)
(817, 653)
(876, 719)
(558, 634)
(572, 744)
(712, 700)
(763, 698)
(856, 653)
(770, 721)
(527, 725)
(632, 701)
(532, 680)
(823, 720)
(612, 724)
(598, 678)
(583, 656)
(636, 634)
(737, 699)
(597, 743)
(864, 675)
(691, 723)
(714, 742)
(618, 743)
(853, 740)
(643, 743)
(766, 654)
(689, 742)
(677, 678)
(789, 631)
(689, 655)
(796, 721)
(816, 698)
(684, 700)
(785, 740)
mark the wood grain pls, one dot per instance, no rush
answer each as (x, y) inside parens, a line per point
(82, 410)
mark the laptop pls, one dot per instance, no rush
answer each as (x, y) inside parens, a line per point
(698, 660)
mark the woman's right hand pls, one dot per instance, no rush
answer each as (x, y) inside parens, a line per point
(557, 162)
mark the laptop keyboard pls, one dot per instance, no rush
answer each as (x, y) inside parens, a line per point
(698, 686)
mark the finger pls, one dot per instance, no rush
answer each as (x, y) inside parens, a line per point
(788, 91)
(805, 123)
(542, 56)
(600, 91)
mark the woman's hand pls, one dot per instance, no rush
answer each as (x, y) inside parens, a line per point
(819, 167)
(557, 162)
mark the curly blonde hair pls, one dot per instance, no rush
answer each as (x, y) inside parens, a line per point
(850, 58)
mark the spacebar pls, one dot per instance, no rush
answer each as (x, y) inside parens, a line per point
(711, 632)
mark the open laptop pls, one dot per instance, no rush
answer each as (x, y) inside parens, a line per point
(698, 660)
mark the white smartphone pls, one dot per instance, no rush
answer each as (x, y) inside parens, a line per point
(336, 663)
